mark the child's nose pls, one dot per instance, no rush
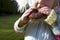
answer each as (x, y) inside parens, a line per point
(40, 4)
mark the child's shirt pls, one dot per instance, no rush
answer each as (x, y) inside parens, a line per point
(39, 30)
(56, 27)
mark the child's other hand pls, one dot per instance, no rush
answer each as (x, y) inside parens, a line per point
(44, 10)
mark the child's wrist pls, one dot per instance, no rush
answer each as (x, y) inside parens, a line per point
(21, 23)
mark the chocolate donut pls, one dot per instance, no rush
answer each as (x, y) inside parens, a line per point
(36, 15)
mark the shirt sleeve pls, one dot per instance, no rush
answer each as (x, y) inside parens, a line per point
(17, 28)
(51, 18)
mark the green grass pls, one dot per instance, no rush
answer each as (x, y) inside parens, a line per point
(6, 28)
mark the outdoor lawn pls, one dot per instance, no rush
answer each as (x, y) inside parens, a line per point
(6, 28)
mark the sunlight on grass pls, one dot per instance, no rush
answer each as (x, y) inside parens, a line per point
(6, 28)
(6, 34)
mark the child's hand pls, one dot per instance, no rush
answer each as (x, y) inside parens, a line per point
(44, 10)
(25, 17)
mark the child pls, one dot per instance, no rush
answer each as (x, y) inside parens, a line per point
(37, 30)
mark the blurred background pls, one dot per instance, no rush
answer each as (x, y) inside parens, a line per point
(8, 15)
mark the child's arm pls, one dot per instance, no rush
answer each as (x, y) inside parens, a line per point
(51, 18)
(18, 28)
(21, 23)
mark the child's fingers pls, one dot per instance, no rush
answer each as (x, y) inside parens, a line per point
(27, 12)
(45, 10)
